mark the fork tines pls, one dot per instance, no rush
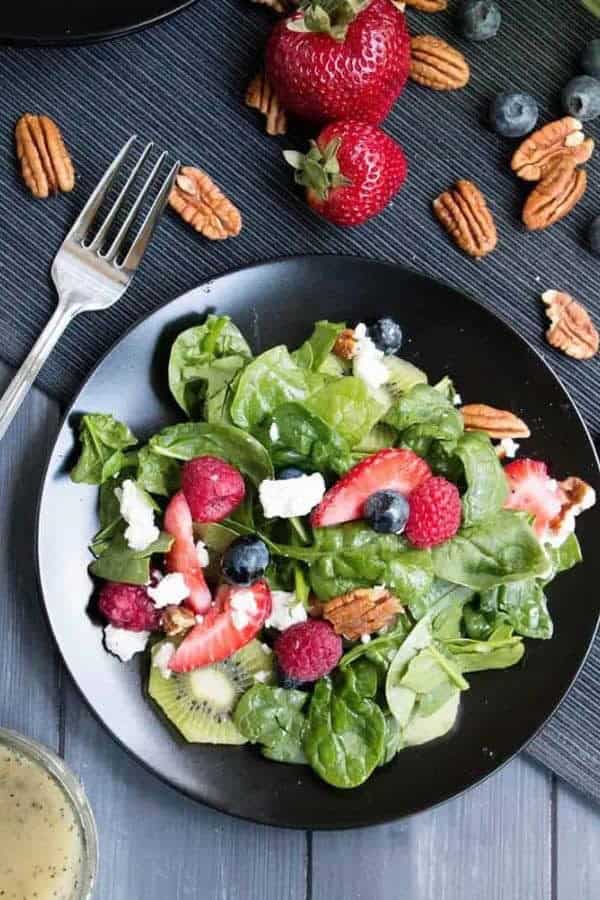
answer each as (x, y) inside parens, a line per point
(80, 232)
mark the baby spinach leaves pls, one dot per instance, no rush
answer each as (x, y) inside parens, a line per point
(500, 651)
(354, 555)
(191, 439)
(348, 407)
(295, 436)
(268, 381)
(345, 733)
(158, 474)
(501, 549)
(203, 363)
(424, 412)
(118, 562)
(104, 441)
(487, 487)
(314, 352)
(521, 604)
(566, 556)
(273, 717)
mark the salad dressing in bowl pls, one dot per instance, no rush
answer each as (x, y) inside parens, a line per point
(47, 847)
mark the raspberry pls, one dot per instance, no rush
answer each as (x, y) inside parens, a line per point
(435, 513)
(308, 650)
(128, 606)
(212, 488)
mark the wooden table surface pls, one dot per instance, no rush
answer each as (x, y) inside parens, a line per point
(520, 836)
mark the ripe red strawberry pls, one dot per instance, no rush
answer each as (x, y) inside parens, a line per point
(435, 513)
(212, 488)
(236, 618)
(533, 491)
(351, 172)
(324, 69)
(395, 470)
(183, 556)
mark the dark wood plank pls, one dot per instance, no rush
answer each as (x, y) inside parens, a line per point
(29, 699)
(577, 845)
(155, 843)
(494, 842)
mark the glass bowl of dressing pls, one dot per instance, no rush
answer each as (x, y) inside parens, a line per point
(48, 837)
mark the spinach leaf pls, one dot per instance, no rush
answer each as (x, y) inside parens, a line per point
(424, 412)
(348, 407)
(366, 679)
(217, 539)
(103, 440)
(393, 739)
(446, 387)
(521, 604)
(204, 361)
(566, 556)
(303, 356)
(382, 649)
(273, 717)
(500, 651)
(303, 439)
(191, 439)
(319, 344)
(353, 555)
(119, 562)
(487, 487)
(501, 549)
(345, 733)
(379, 437)
(439, 590)
(268, 381)
(158, 474)
(427, 724)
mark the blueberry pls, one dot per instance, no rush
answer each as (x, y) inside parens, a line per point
(245, 560)
(479, 19)
(386, 335)
(513, 114)
(581, 97)
(289, 472)
(387, 512)
(590, 60)
(594, 236)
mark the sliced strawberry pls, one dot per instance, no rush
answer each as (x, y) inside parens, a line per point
(533, 491)
(237, 617)
(396, 470)
(183, 556)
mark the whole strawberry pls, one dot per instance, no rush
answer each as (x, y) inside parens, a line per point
(351, 172)
(338, 58)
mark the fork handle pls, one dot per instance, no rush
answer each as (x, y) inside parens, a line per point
(19, 387)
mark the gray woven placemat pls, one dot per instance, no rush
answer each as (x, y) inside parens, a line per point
(182, 84)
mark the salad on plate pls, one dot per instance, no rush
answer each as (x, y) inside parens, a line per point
(321, 554)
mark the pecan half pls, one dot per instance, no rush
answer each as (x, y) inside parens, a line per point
(437, 65)
(430, 6)
(362, 611)
(46, 166)
(578, 496)
(202, 205)
(464, 214)
(177, 619)
(571, 329)
(498, 423)
(345, 344)
(261, 96)
(539, 152)
(554, 196)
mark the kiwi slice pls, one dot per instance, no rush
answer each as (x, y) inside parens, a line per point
(403, 375)
(200, 703)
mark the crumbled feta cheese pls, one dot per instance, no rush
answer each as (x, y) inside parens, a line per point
(202, 554)
(170, 591)
(565, 525)
(262, 677)
(368, 362)
(457, 399)
(243, 607)
(199, 619)
(266, 649)
(291, 497)
(286, 610)
(162, 657)
(365, 638)
(137, 511)
(123, 643)
(509, 448)
(274, 432)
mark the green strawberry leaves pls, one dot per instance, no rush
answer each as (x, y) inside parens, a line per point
(318, 170)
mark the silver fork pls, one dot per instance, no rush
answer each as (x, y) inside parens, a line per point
(86, 277)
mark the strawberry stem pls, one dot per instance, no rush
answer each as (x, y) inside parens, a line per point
(330, 17)
(318, 170)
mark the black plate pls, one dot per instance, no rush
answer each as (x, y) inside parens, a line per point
(446, 333)
(76, 22)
